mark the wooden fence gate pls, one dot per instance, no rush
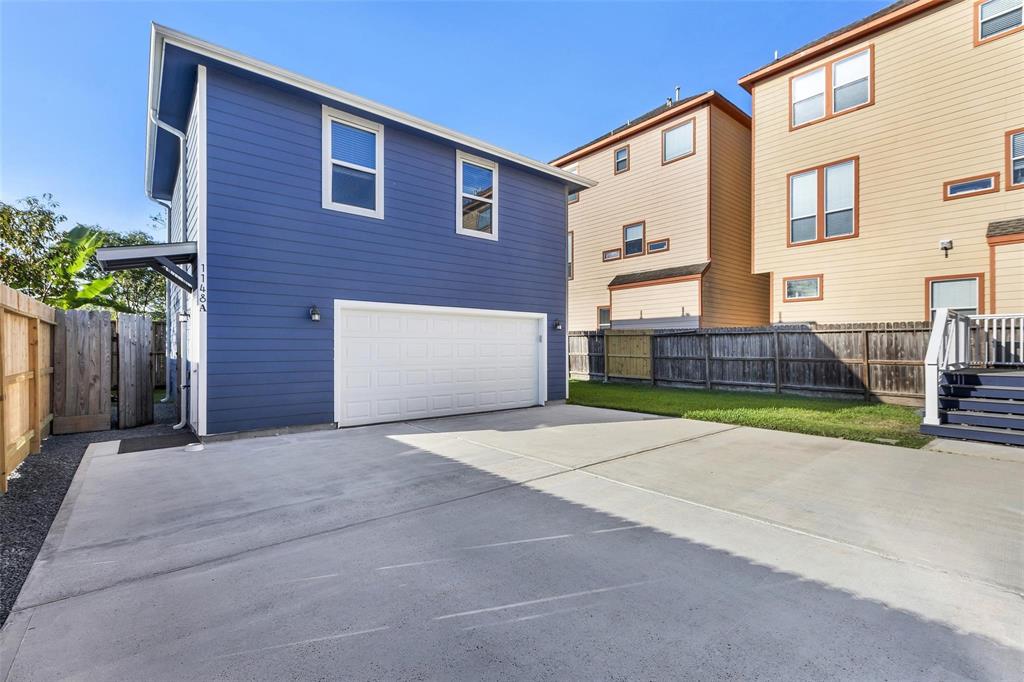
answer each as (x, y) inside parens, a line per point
(81, 384)
(134, 370)
(26, 338)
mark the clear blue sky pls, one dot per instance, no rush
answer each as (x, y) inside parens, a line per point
(536, 78)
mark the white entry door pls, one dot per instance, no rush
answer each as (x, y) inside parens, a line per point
(394, 362)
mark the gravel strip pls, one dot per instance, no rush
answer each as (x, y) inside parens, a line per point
(35, 496)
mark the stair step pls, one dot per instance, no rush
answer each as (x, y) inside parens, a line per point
(982, 433)
(982, 405)
(969, 391)
(995, 420)
(1010, 378)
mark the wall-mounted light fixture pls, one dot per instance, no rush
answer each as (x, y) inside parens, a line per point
(314, 313)
(946, 245)
(557, 325)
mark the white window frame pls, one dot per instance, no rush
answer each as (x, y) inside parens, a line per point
(993, 186)
(792, 203)
(953, 280)
(1010, 161)
(462, 157)
(328, 115)
(978, 38)
(866, 53)
(817, 296)
(824, 97)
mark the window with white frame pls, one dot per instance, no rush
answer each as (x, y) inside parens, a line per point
(353, 177)
(604, 317)
(568, 252)
(802, 288)
(808, 95)
(677, 142)
(959, 294)
(621, 159)
(851, 85)
(983, 184)
(1015, 162)
(997, 17)
(477, 184)
(573, 197)
(633, 240)
(823, 203)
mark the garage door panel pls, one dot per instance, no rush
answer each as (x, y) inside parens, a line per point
(414, 362)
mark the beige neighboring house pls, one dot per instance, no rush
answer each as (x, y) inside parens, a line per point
(663, 240)
(887, 160)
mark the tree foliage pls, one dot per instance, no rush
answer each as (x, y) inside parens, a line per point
(59, 267)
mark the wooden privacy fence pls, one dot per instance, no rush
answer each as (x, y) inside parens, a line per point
(883, 361)
(134, 370)
(81, 386)
(26, 369)
(158, 356)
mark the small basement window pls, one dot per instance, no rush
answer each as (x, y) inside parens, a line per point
(633, 240)
(477, 196)
(622, 159)
(982, 184)
(998, 18)
(657, 245)
(677, 142)
(802, 288)
(353, 181)
(604, 317)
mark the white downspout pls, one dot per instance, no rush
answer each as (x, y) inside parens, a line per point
(167, 300)
(183, 388)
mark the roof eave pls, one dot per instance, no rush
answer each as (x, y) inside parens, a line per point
(817, 49)
(162, 35)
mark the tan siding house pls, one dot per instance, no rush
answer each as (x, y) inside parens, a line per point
(881, 155)
(663, 239)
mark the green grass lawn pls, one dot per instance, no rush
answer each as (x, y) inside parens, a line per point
(849, 419)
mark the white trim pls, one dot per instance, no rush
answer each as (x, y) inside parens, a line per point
(162, 35)
(982, 22)
(817, 279)
(462, 157)
(327, 162)
(542, 336)
(201, 243)
(991, 185)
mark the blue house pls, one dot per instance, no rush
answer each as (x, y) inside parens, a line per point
(336, 261)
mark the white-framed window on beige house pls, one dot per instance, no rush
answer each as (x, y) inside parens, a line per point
(568, 252)
(996, 18)
(807, 93)
(678, 141)
(851, 81)
(611, 254)
(574, 168)
(621, 158)
(802, 288)
(604, 316)
(822, 203)
(961, 293)
(633, 240)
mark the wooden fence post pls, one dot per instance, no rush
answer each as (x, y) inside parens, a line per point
(707, 360)
(867, 365)
(778, 361)
(35, 442)
(651, 357)
(604, 350)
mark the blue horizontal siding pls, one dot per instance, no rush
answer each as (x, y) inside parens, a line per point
(272, 251)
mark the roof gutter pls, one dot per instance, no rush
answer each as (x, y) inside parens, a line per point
(854, 33)
(162, 36)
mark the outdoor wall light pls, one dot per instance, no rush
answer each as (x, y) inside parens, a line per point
(314, 313)
(557, 325)
(946, 245)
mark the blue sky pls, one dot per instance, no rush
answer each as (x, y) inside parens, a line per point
(536, 78)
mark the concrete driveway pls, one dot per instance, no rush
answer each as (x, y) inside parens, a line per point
(549, 543)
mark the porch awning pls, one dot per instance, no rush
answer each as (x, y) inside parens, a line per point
(164, 258)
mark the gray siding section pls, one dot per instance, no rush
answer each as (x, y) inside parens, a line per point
(273, 252)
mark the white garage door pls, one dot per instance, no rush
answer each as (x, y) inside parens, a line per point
(395, 362)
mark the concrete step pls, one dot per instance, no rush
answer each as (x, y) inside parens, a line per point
(982, 433)
(993, 419)
(982, 405)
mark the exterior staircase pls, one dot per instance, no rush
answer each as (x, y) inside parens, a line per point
(981, 404)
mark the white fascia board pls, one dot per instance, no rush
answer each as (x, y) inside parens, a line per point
(162, 35)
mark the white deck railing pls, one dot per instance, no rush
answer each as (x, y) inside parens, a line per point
(960, 341)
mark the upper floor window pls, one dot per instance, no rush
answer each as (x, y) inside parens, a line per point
(568, 252)
(997, 18)
(822, 203)
(677, 142)
(621, 159)
(1015, 159)
(477, 196)
(353, 180)
(573, 197)
(633, 240)
(838, 86)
